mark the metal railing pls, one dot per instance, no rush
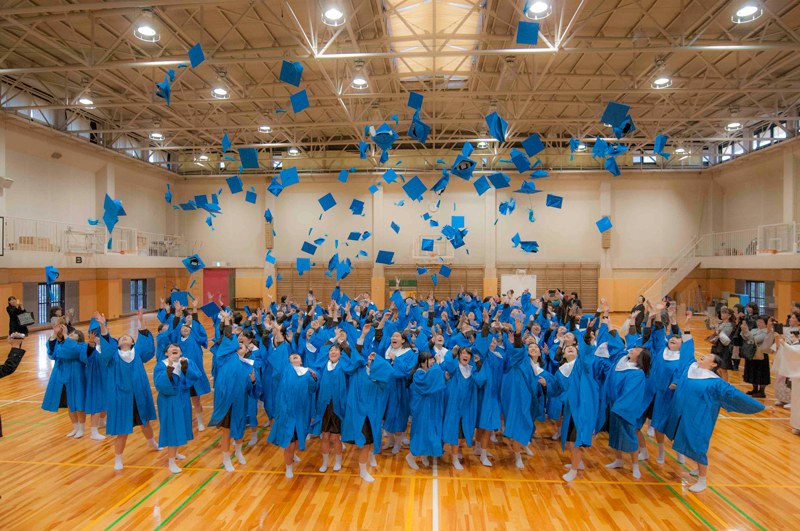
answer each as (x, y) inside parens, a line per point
(735, 243)
(23, 234)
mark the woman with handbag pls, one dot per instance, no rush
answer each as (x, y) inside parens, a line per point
(17, 316)
(754, 350)
(721, 340)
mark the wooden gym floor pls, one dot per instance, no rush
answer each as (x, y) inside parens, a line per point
(48, 481)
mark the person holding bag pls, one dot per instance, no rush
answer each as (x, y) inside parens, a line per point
(755, 352)
(721, 345)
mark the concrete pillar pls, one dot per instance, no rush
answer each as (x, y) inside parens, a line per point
(490, 280)
(378, 284)
(3, 191)
(104, 183)
(605, 283)
(269, 269)
(712, 220)
(790, 179)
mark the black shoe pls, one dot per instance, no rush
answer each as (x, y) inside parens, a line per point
(759, 394)
(751, 392)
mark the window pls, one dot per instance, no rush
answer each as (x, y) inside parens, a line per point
(277, 164)
(138, 294)
(755, 291)
(644, 159)
(49, 296)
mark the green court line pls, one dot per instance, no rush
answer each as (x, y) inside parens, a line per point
(26, 418)
(678, 496)
(187, 500)
(712, 489)
(33, 427)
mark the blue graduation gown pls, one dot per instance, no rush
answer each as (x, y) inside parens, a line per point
(128, 382)
(232, 387)
(517, 395)
(96, 381)
(293, 403)
(461, 402)
(268, 380)
(695, 410)
(191, 349)
(664, 373)
(626, 390)
(68, 372)
(365, 399)
(252, 399)
(489, 394)
(331, 387)
(427, 411)
(397, 393)
(581, 397)
(174, 404)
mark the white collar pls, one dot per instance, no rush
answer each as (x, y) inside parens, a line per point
(397, 352)
(602, 350)
(625, 364)
(247, 360)
(696, 373)
(440, 350)
(671, 355)
(300, 370)
(332, 366)
(536, 369)
(184, 338)
(310, 347)
(496, 353)
(176, 366)
(128, 356)
(466, 370)
(566, 369)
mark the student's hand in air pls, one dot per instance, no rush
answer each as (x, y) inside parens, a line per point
(92, 339)
(553, 326)
(542, 381)
(100, 318)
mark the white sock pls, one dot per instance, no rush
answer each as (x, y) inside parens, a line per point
(700, 486)
(644, 455)
(581, 466)
(199, 417)
(411, 462)
(484, 458)
(493, 438)
(518, 460)
(102, 422)
(226, 460)
(425, 460)
(118, 462)
(569, 476)
(405, 440)
(457, 464)
(289, 473)
(617, 463)
(695, 472)
(324, 467)
(389, 441)
(681, 458)
(651, 432)
(74, 430)
(557, 435)
(80, 432)
(337, 466)
(460, 456)
(266, 424)
(343, 447)
(398, 442)
(661, 454)
(372, 461)
(173, 467)
(364, 474)
(253, 439)
(153, 444)
(296, 459)
(96, 436)
(180, 456)
(636, 473)
(477, 449)
(528, 451)
(238, 451)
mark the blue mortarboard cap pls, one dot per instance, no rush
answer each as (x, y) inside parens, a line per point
(269, 258)
(481, 185)
(457, 222)
(366, 235)
(573, 145)
(660, 144)
(530, 247)
(422, 270)
(184, 206)
(516, 240)
(427, 245)
(309, 248)
(181, 297)
(163, 90)
(415, 100)
(247, 310)
(374, 188)
(211, 309)
(93, 222)
(533, 145)
(196, 55)
(299, 101)
(384, 137)
(400, 203)
(627, 126)
(554, 201)
(269, 281)
(357, 207)
(463, 167)
(442, 183)
(279, 277)
(268, 216)
(291, 73)
(343, 269)
(120, 210)
(497, 126)
(507, 207)
(418, 129)
(445, 271)
(434, 279)
(467, 149)
(426, 216)
(249, 158)
(390, 176)
(615, 114)
(612, 166)
(94, 324)
(604, 224)
(500, 180)
(51, 273)
(343, 174)
(520, 161)
(275, 187)
(395, 227)
(616, 149)
(193, 264)
(327, 201)
(333, 262)
(538, 174)
(303, 265)
(527, 32)
(414, 188)
(433, 223)
(226, 142)
(396, 120)
(251, 197)
(201, 200)
(354, 236)
(528, 187)
(289, 177)
(363, 149)
(600, 148)
(384, 257)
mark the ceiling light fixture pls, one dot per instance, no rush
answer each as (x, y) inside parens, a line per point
(333, 16)
(85, 100)
(202, 158)
(483, 144)
(661, 82)
(146, 27)
(680, 150)
(733, 126)
(264, 129)
(539, 9)
(747, 13)
(293, 151)
(155, 135)
(359, 82)
(661, 76)
(581, 147)
(220, 93)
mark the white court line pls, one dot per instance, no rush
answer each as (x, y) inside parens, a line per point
(21, 399)
(435, 525)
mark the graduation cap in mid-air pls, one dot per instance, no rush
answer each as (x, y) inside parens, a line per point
(327, 202)
(291, 73)
(604, 224)
(427, 245)
(193, 264)
(463, 167)
(500, 180)
(385, 138)
(660, 144)
(481, 185)
(363, 149)
(600, 148)
(414, 188)
(574, 143)
(268, 216)
(309, 248)
(418, 130)
(196, 55)
(445, 271)
(612, 166)
(497, 126)
(528, 187)
(507, 207)
(249, 158)
(303, 265)
(357, 207)
(289, 177)
(554, 201)
(384, 257)
(163, 90)
(415, 100)
(527, 32)
(181, 297)
(390, 176)
(167, 197)
(442, 183)
(395, 227)
(51, 274)
(299, 101)
(275, 187)
(533, 145)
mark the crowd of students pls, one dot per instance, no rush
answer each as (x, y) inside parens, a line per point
(462, 373)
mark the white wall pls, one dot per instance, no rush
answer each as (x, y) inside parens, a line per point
(753, 192)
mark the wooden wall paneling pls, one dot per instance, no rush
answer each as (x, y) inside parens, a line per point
(568, 276)
(357, 282)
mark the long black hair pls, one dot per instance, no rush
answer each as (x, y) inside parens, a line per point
(422, 359)
(643, 361)
(718, 361)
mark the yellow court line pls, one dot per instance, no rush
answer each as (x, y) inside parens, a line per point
(416, 478)
(410, 509)
(116, 505)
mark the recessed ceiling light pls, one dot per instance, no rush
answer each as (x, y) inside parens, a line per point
(220, 93)
(146, 27)
(747, 13)
(333, 16)
(156, 136)
(483, 144)
(85, 100)
(264, 129)
(733, 126)
(539, 9)
(359, 82)
(293, 151)
(661, 82)
(581, 147)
